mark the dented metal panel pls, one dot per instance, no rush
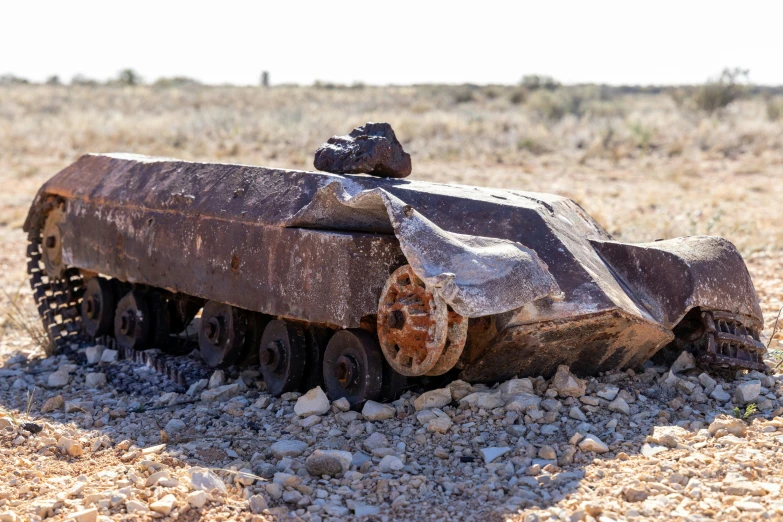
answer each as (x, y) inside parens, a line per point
(313, 275)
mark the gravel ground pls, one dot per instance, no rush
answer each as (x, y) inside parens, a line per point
(118, 441)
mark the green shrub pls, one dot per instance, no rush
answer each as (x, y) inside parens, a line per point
(129, 77)
(534, 82)
(518, 96)
(464, 95)
(555, 105)
(80, 79)
(774, 109)
(11, 79)
(719, 93)
(176, 81)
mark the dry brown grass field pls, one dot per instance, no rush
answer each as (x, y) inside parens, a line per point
(643, 165)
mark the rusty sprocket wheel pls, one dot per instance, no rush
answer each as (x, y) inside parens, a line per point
(52, 247)
(412, 323)
(455, 344)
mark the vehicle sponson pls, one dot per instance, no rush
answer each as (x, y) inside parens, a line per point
(540, 281)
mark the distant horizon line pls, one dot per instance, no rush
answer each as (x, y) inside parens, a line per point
(8, 79)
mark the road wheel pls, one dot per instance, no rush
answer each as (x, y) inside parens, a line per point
(353, 367)
(282, 355)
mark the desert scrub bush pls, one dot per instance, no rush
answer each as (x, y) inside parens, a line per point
(176, 81)
(82, 80)
(718, 93)
(642, 135)
(534, 82)
(10, 79)
(532, 146)
(774, 109)
(465, 94)
(518, 96)
(491, 92)
(129, 77)
(555, 105)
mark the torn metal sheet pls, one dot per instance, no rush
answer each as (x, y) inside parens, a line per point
(475, 275)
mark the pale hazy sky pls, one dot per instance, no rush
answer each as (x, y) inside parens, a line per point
(395, 41)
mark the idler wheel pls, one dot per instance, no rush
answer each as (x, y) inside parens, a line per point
(282, 354)
(52, 247)
(353, 367)
(98, 305)
(132, 322)
(412, 323)
(221, 333)
(455, 344)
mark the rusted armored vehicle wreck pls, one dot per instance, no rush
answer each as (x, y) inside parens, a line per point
(357, 282)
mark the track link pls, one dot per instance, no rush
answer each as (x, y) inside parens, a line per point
(59, 306)
(57, 300)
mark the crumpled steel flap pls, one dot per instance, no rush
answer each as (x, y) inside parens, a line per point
(477, 276)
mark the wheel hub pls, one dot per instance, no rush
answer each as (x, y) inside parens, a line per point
(347, 370)
(214, 329)
(412, 323)
(52, 243)
(272, 355)
(93, 307)
(128, 323)
(132, 324)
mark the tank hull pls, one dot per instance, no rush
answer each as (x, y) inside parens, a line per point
(551, 286)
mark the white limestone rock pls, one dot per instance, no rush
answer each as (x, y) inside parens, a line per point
(567, 384)
(314, 402)
(593, 443)
(515, 387)
(484, 400)
(491, 454)
(433, 399)
(205, 480)
(684, 362)
(94, 353)
(747, 392)
(58, 379)
(95, 380)
(619, 405)
(288, 448)
(376, 411)
(109, 356)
